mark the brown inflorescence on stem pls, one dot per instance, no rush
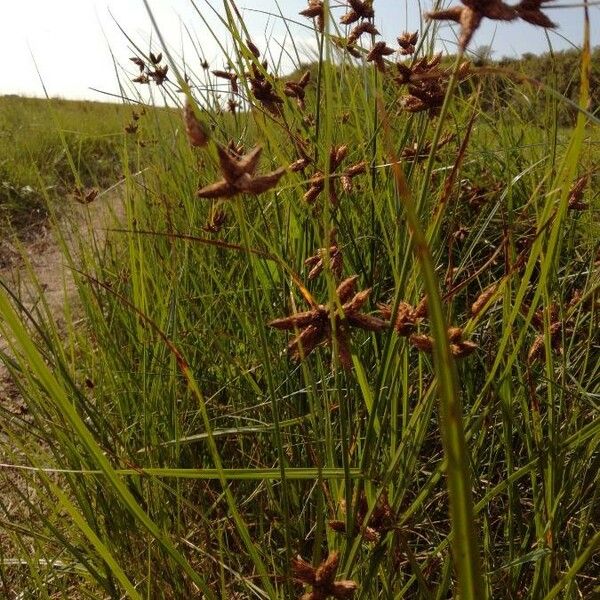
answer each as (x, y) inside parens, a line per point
(408, 43)
(316, 184)
(459, 347)
(381, 521)
(315, 325)
(296, 89)
(316, 11)
(84, 196)
(196, 132)
(239, 175)
(331, 255)
(378, 53)
(427, 83)
(576, 194)
(470, 15)
(322, 579)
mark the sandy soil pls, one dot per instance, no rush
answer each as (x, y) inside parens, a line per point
(42, 270)
(51, 276)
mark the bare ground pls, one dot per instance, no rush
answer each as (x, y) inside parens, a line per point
(37, 268)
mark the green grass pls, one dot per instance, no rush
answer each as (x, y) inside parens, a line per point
(175, 450)
(51, 146)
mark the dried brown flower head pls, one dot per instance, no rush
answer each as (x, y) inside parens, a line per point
(316, 328)
(239, 176)
(216, 222)
(85, 196)
(576, 194)
(459, 347)
(537, 351)
(159, 75)
(229, 76)
(381, 521)
(263, 90)
(316, 184)
(530, 11)
(196, 132)
(377, 54)
(155, 59)
(139, 63)
(470, 15)
(322, 579)
(359, 9)
(331, 255)
(296, 89)
(407, 318)
(143, 79)
(315, 11)
(483, 299)
(131, 128)
(360, 29)
(408, 43)
(253, 48)
(426, 82)
(419, 153)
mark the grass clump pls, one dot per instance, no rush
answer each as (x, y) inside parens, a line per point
(431, 429)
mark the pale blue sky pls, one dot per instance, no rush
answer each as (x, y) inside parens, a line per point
(70, 39)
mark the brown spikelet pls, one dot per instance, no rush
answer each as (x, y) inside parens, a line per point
(424, 343)
(315, 324)
(239, 175)
(197, 133)
(408, 42)
(216, 222)
(576, 194)
(377, 54)
(253, 48)
(483, 299)
(322, 579)
(85, 196)
(139, 63)
(360, 29)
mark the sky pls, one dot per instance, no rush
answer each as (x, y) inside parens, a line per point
(79, 46)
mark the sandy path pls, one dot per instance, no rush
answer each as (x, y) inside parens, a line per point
(51, 275)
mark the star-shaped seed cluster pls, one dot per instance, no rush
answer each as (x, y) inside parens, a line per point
(322, 579)
(239, 175)
(472, 12)
(314, 326)
(380, 522)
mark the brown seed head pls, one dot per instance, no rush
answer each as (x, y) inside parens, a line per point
(197, 133)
